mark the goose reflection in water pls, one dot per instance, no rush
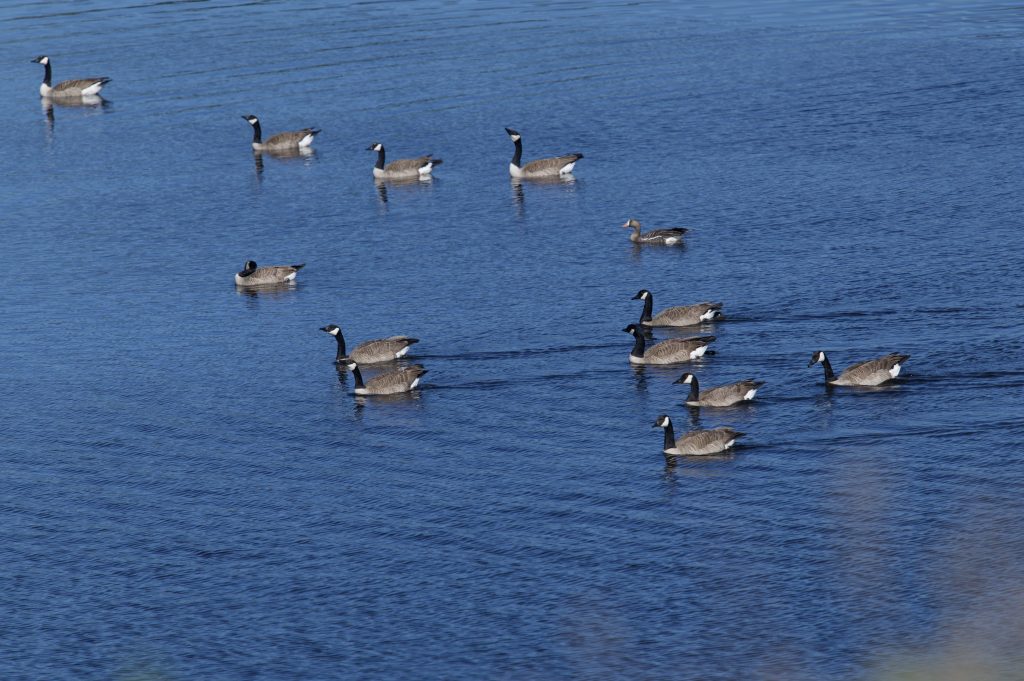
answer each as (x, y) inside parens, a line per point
(695, 466)
(268, 291)
(306, 154)
(95, 102)
(361, 402)
(401, 185)
(567, 182)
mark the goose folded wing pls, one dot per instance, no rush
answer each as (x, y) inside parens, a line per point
(407, 165)
(78, 84)
(551, 165)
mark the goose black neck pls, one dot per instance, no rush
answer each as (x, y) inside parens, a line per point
(47, 74)
(516, 157)
(694, 395)
(645, 316)
(380, 158)
(639, 344)
(341, 346)
(829, 376)
(257, 133)
(358, 376)
(670, 437)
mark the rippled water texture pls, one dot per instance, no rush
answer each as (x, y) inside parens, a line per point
(190, 490)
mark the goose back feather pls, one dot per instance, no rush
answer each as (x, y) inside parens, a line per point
(550, 167)
(83, 87)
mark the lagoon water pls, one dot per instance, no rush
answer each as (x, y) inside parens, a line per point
(190, 490)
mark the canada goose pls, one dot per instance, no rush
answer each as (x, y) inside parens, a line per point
(671, 351)
(390, 383)
(869, 372)
(720, 396)
(681, 315)
(371, 351)
(281, 141)
(403, 168)
(670, 236)
(696, 442)
(82, 87)
(544, 167)
(261, 276)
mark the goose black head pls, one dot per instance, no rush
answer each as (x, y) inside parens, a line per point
(642, 294)
(252, 119)
(376, 146)
(41, 59)
(331, 329)
(349, 363)
(662, 421)
(631, 224)
(633, 329)
(818, 356)
(513, 134)
(250, 266)
(685, 378)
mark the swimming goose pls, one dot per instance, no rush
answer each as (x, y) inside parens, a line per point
(669, 236)
(720, 396)
(681, 315)
(404, 168)
(671, 351)
(696, 442)
(261, 276)
(869, 372)
(282, 141)
(390, 383)
(371, 351)
(544, 167)
(82, 87)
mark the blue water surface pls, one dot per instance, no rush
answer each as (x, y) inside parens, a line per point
(190, 489)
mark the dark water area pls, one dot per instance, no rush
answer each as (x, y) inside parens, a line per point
(190, 489)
